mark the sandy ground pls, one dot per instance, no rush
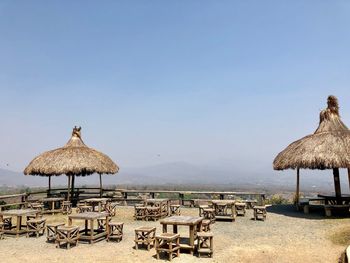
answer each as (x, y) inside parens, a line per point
(286, 236)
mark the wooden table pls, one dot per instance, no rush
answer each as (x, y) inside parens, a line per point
(52, 201)
(17, 229)
(97, 202)
(333, 200)
(162, 203)
(91, 234)
(193, 222)
(224, 209)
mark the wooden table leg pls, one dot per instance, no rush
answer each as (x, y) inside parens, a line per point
(175, 229)
(192, 239)
(165, 228)
(69, 221)
(91, 231)
(18, 226)
(53, 207)
(86, 227)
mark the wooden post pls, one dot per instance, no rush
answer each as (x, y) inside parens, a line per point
(297, 190)
(68, 190)
(337, 185)
(49, 184)
(100, 185)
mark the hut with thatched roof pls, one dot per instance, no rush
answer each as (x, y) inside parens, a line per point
(327, 148)
(73, 159)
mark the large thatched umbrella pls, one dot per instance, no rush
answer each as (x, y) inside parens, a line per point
(73, 159)
(327, 148)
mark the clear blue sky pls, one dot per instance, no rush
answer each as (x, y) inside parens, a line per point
(198, 81)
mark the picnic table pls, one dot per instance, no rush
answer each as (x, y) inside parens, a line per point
(162, 203)
(54, 204)
(194, 224)
(90, 233)
(333, 200)
(18, 229)
(97, 202)
(224, 209)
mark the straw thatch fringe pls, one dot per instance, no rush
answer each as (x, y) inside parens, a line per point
(327, 148)
(75, 158)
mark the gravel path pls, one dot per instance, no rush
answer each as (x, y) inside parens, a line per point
(286, 236)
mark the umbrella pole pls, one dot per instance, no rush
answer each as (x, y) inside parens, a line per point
(337, 185)
(49, 192)
(68, 188)
(297, 190)
(349, 176)
(100, 185)
(72, 190)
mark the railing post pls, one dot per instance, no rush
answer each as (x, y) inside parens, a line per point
(181, 198)
(222, 197)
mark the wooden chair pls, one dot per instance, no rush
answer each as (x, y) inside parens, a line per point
(140, 213)
(101, 223)
(36, 226)
(260, 212)
(175, 210)
(51, 231)
(145, 236)
(153, 213)
(205, 243)
(2, 228)
(115, 231)
(67, 235)
(7, 221)
(82, 207)
(240, 209)
(168, 243)
(66, 207)
(111, 208)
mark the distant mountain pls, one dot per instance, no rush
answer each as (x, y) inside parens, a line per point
(182, 173)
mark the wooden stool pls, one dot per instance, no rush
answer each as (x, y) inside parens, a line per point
(7, 221)
(259, 212)
(240, 209)
(153, 213)
(36, 226)
(66, 207)
(168, 243)
(206, 225)
(205, 243)
(115, 231)
(201, 208)
(101, 223)
(175, 210)
(140, 213)
(209, 213)
(145, 235)
(51, 231)
(2, 228)
(67, 235)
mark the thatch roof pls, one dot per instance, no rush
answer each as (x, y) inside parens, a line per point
(327, 148)
(75, 158)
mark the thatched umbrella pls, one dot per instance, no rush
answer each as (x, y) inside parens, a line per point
(73, 159)
(327, 148)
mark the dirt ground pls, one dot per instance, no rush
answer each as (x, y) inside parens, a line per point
(286, 236)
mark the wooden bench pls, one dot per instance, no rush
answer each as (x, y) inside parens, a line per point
(67, 235)
(145, 236)
(205, 243)
(168, 243)
(328, 209)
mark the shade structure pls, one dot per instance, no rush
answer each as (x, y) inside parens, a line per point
(73, 159)
(327, 148)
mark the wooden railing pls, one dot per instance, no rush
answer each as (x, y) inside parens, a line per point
(128, 196)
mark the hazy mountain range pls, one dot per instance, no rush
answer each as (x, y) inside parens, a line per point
(182, 173)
